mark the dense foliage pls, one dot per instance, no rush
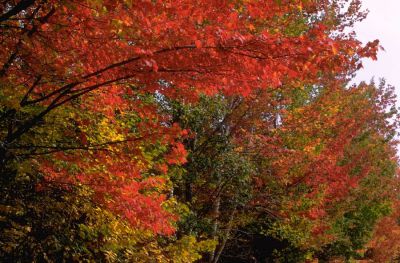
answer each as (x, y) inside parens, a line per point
(183, 131)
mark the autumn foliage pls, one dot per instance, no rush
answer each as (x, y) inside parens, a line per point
(173, 127)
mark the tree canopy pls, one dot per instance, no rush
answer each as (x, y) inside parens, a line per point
(183, 131)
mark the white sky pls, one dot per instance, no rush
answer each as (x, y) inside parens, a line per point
(383, 23)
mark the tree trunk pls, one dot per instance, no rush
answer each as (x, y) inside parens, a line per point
(216, 213)
(225, 238)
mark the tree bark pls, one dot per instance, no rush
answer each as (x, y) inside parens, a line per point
(225, 238)
(216, 213)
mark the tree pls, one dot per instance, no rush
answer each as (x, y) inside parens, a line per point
(237, 109)
(308, 171)
(83, 55)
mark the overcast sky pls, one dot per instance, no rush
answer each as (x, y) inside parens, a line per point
(383, 23)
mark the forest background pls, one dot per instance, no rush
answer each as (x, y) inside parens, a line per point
(183, 131)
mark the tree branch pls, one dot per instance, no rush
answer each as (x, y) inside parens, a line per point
(22, 5)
